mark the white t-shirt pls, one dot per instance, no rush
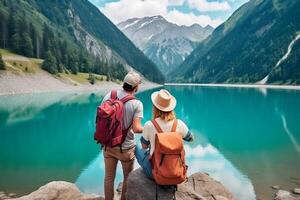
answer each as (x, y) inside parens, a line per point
(166, 126)
(133, 109)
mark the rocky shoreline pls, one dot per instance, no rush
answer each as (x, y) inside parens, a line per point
(199, 186)
(43, 82)
(286, 195)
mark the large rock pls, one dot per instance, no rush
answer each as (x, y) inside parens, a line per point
(286, 195)
(59, 190)
(198, 186)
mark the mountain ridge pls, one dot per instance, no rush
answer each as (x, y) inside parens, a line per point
(255, 37)
(76, 29)
(165, 43)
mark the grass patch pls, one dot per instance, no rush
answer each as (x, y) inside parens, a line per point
(82, 78)
(5, 52)
(17, 63)
(20, 64)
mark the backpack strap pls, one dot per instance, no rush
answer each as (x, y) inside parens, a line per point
(127, 98)
(174, 125)
(113, 94)
(156, 125)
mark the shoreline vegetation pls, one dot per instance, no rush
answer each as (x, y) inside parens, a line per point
(15, 84)
(260, 86)
(23, 75)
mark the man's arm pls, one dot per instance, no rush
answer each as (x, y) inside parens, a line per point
(137, 125)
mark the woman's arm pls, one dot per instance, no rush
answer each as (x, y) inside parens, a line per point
(186, 133)
(145, 143)
(145, 139)
(189, 137)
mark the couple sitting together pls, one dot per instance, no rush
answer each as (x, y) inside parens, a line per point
(160, 151)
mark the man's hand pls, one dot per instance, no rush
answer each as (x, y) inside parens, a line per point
(136, 125)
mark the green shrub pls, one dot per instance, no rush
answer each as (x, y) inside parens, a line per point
(2, 64)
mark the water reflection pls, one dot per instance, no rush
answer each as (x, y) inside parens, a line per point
(45, 138)
(244, 125)
(199, 158)
(246, 138)
(208, 159)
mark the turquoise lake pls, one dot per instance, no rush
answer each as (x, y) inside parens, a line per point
(249, 139)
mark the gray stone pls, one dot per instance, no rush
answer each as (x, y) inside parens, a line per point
(220, 198)
(3, 196)
(198, 186)
(296, 191)
(275, 187)
(59, 190)
(285, 195)
(12, 195)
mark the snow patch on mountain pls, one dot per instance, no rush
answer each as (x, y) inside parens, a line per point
(165, 43)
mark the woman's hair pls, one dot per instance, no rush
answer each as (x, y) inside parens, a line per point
(166, 116)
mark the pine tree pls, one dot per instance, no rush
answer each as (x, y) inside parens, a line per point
(11, 27)
(26, 47)
(73, 62)
(92, 78)
(15, 42)
(2, 64)
(49, 63)
(35, 40)
(3, 30)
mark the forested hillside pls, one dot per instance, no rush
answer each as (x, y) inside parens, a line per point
(247, 48)
(73, 36)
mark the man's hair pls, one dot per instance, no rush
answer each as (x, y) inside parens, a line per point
(128, 88)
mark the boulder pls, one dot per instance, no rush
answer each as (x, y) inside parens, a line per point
(285, 195)
(296, 191)
(59, 190)
(275, 187)
(198, 186)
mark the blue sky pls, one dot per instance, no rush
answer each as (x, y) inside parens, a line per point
(181, 12)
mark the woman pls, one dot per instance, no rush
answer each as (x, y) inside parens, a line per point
(163, 113)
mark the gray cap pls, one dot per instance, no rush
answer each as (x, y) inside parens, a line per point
(133, 79)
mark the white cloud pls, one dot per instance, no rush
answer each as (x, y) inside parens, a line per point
(176, 2)
(204, 5)
(125, 9)
(189, 18)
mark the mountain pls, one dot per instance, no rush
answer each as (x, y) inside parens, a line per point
(257, 44)
(75, 33)
(165, 43)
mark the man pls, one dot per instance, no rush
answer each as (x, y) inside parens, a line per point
(133, 113)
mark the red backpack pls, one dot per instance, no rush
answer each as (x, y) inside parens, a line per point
(109, 128)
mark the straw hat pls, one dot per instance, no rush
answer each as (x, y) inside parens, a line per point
(163, 100)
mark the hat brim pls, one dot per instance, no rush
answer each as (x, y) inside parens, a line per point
(164, 109)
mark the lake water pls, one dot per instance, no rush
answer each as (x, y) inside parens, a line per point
(249, 139)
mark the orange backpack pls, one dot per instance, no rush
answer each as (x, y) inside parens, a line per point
(168, 159)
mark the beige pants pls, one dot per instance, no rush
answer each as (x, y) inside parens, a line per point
(111, 158)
